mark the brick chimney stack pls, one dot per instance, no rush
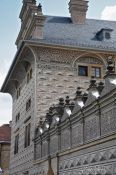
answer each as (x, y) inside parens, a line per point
(78, 10)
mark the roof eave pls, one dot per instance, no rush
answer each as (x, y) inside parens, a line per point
(7, 142)
(11, 67)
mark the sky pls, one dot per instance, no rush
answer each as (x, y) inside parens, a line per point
(10, 26)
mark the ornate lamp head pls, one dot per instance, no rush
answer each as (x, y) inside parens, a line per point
(93, 88)
(41, 126)
(78, 98)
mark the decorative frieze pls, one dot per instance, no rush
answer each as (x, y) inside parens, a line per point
(92, 163)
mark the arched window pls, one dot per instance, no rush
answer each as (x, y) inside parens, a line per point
(29, 74)
(28, 70)
(18, 92)
(18, 88)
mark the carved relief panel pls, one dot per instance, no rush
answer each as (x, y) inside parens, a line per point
(53, 144)
(77, 134)
(37, 151)
(108, 122)
(91, 128)
(65, 139)
(44, 149)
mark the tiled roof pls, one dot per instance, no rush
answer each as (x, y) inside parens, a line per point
(5, 133)
(61, 31)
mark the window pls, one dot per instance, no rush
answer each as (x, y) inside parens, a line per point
(17, 117)
(83, 70)
(29, 75)
(27, 135)
(107, 35)
(96, 72)
(28, 104)
(16, 144)
(104, 33)
(18, 92)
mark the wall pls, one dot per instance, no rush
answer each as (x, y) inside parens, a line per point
(55, 74)
(85, 142)
(5, 157)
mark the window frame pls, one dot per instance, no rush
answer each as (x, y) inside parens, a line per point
(90, 66)
(27, 136)
(16, 144)
(28, 104)
(96, 67)
(18, 92)
(17, 118)
(29, 74)
(84, 66)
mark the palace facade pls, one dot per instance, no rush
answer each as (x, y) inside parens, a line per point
(54, 55)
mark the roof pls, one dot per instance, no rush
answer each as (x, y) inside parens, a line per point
(61, 30)
(5, 133)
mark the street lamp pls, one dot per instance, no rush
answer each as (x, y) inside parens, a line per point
(67, 106)
(68, 111)
(41, 126)
(95, 93)
(47, 125)
(112, 80)
(48, 119)
(59, 110)
(111, 72)
(41, 130)
(93, 88)
(57, 118)
(78, 98)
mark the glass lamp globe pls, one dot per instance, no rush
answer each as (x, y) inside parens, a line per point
(68, 111)
(95, 93)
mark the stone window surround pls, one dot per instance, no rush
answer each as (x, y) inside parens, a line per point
(90, 66)
(16, 144)
(28, 104)
(27, 135)
(17, 117)
(29, 74)
(18, 92)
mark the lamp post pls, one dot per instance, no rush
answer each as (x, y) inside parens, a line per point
(96, 91)
(111, 72)
(59, 110)
(68, 106)
(48, 119)
(68, 109)
(41, 126)
(78, 99)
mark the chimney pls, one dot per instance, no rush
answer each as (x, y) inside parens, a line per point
(78, 10)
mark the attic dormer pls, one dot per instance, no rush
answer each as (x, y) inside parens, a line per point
(104, 34)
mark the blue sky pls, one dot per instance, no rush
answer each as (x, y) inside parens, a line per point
(10, 25)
